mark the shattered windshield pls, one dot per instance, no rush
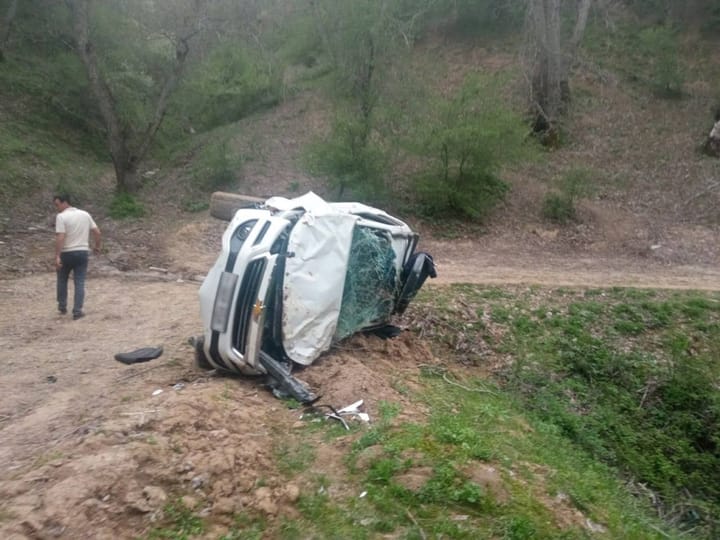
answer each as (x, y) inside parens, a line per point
(370, 282)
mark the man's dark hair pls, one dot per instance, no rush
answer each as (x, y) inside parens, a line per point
(62, 197)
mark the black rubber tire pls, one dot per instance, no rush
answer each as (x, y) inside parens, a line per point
(223, 204)
(201, 361)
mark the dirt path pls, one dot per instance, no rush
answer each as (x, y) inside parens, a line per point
(554, 271)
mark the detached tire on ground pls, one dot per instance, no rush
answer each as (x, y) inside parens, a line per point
(223, 205)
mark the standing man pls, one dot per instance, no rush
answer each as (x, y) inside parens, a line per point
(72, 234)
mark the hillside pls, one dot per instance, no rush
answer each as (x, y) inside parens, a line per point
(652, 197)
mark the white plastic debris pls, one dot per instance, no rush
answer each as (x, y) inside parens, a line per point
(354, 410)
(157, 392)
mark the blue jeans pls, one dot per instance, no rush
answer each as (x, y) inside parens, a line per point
(77, 263)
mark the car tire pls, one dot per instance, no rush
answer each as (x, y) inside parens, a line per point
(201, 360)
(223, 204)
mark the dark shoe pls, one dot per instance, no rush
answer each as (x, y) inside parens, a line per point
(62, 311)
(77, 316)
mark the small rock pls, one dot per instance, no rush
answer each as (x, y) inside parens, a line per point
(155, 496)
(595, 527)
(205, 512)
(189, 501)
(291, 493)
(224, 505)
(264, 501)
(185, 467)
(198, 481)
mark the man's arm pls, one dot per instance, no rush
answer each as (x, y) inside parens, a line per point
(59, 243)
(96, 236)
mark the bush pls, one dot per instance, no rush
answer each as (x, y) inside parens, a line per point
(227, 86)
(350, 160)
(659, 45)
(465, 142)
(712, 23)
(124, 205)
(473, 18)
(559, 206)
(215, 167)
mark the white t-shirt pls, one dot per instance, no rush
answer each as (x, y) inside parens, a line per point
(76, 225)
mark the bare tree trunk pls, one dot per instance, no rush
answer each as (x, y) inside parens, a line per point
(126, 158)
(5, 25)
(556, 74)
(550, 65)
(104, 99)
(580, 25)
(577, 35)
(547, 65)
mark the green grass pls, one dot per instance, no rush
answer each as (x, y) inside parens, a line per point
(293, 458)
(125, 206)
(628, 378)
(473, 427)
(178, 523)
(40, 146)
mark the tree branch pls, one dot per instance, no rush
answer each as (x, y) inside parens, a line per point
(579, 30)
(181, 51)
(101, 91)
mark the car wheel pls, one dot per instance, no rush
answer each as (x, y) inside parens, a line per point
(201, 361)
(223, 205)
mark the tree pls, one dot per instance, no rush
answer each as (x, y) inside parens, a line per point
(550, 60)
(364, 41)
(5, 25)
(128, 144)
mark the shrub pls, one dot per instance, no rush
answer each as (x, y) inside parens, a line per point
(349, 158)
(473, 18)
(659, 45)
(124, 205)
(559, 206)
(226, 87)
(712, 22)
(465, 142)
(216, 167)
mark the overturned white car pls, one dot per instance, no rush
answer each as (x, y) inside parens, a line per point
(296, 275)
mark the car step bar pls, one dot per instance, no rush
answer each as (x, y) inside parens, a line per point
(283, 381)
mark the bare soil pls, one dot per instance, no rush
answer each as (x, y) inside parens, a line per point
(93, 448)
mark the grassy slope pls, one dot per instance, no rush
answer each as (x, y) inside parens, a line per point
(39, 148)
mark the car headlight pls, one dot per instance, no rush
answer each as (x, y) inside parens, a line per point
(237, 240)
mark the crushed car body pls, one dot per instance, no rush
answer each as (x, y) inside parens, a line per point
(295, 276)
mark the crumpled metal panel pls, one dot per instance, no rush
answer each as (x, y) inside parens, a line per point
(319, 248)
